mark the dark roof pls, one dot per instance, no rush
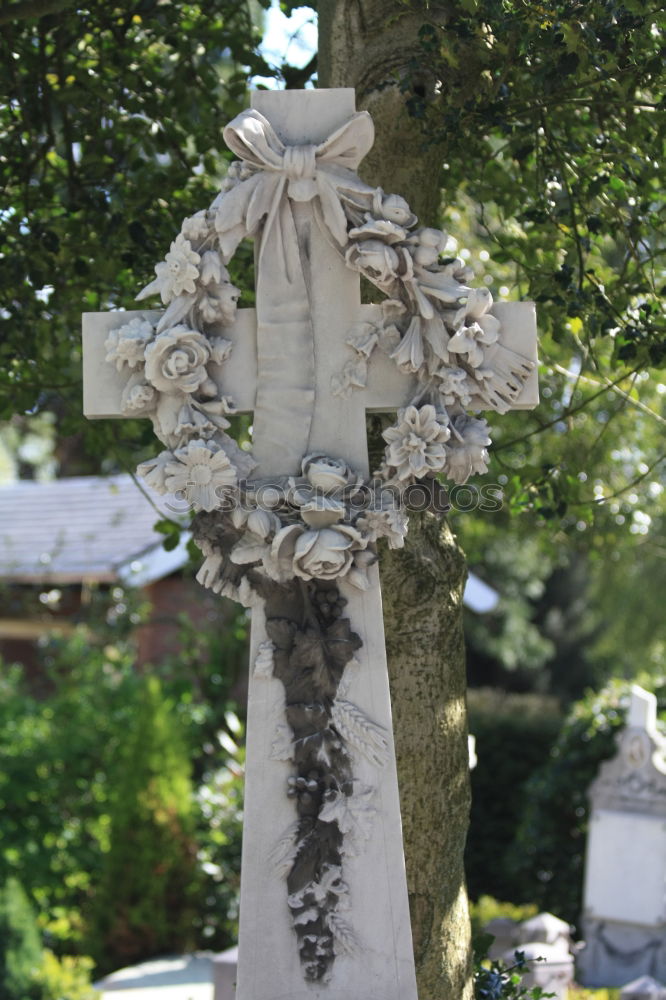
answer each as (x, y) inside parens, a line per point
(84, 528)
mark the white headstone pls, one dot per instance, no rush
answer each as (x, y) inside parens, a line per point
(624, 916)
(324, 910)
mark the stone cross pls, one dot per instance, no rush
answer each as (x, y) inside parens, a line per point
(289, 391)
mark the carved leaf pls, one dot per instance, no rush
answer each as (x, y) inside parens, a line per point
(263, 663)
(354, 814)
(285, 851)
(346, 941)
(360, 732)
(176, 311)
(249, 549)
(283, 744)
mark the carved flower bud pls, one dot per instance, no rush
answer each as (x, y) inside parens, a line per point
(396, 209)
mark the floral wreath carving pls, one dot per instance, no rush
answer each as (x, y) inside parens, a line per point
(290, 541)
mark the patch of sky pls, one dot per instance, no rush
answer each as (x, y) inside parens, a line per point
(291, 40)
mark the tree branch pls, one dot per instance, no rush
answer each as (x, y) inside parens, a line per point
(24, 9)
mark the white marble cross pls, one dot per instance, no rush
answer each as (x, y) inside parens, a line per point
(262, 374)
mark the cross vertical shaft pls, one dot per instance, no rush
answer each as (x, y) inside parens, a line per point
(383, 967)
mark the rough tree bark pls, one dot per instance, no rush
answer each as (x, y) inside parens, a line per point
(370, 45)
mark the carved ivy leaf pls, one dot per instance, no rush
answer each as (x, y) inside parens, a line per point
(353, 814)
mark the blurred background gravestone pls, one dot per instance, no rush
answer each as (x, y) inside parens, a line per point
(624, 915)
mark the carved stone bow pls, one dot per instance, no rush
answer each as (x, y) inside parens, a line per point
(273, 176)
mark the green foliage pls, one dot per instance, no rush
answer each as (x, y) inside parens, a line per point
(65, 978)
(486, 908)
(102, 820)
(20, 944)
(144, 898)
(220, 798)
(547, 855)
(514, 735)
(498, 981)
(561, 108)
(110, 129)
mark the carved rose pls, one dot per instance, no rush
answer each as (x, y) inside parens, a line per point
(179, 271)
(201, 472)
(466, 452)
(176, 360)
(326, 473)
(379, 262)
(127, 344)
(416, 442)
(321, 554)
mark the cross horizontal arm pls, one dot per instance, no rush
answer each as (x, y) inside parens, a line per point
(388, 388)
(103, 385)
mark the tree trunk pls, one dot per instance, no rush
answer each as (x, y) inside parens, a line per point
(372, 45)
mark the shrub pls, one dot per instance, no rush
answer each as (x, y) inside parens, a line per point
(514, 735)
(20, 944)
(145, 894)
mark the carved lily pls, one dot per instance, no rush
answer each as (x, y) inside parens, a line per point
(408, 355)
(466, 453)
(470, 341)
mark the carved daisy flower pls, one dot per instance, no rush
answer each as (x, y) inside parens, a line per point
(466, 452)
(416, 443)
(179, 271)
(127, 344)
(201, 473)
